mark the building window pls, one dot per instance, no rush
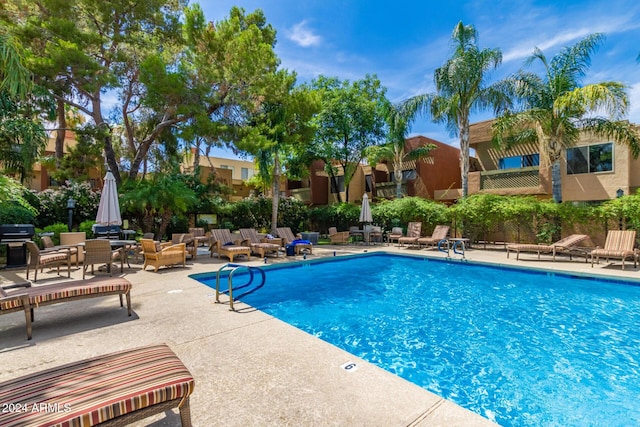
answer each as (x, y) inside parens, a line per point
(368, 183)
(517, 162)
(590, 159)
(406, 174)
(244, 173)
(337, 184)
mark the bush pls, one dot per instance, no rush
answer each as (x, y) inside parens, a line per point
(56, 229)
(341, 215)
(11, 213)
(52, 204)
(399, 212)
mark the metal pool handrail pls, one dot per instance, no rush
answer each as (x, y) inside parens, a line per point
(234, 268)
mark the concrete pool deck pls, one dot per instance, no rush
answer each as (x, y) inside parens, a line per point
(249, 368)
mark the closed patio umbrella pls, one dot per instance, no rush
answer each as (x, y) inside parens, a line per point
(109, 208)
(365, 210)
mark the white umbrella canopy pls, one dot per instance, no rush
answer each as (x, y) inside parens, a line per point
(365, 210)
(109, 208)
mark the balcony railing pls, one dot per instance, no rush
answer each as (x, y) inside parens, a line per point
(387, 190)
(512, 178)
(301, 194)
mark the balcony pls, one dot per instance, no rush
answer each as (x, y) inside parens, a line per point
(528, 177)
(301, 194)
(387, 190)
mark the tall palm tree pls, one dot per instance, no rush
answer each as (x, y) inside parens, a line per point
(461, 89)
(394, 150)
(556, 107)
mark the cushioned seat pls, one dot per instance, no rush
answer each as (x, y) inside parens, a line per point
(118, 388)
(222, 244)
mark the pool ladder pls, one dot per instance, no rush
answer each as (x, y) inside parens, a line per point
(229, 291)
(449, 247)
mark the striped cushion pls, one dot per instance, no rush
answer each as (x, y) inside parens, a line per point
(96, 390)
(41, 294)
(55, 257)
(532, 247)
(612, 253)
(234, 249)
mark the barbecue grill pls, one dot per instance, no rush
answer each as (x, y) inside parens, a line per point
(14, 237)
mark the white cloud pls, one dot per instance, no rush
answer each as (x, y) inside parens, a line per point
(303, 36)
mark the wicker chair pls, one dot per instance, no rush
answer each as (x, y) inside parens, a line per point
(48, 244)
(158, 256)
(191, 244)
(258, 246)
(39, 259)
(199, 235)
(98, 251)
(338, 236)
(223, 245)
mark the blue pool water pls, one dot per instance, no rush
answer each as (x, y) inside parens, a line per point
(520, 348)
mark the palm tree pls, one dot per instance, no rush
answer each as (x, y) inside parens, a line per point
(557, 107)
(461, 90)
(394, 150)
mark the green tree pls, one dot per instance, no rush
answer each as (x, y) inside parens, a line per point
(282, 130)
(351, 118)
(394, 150)
(461, 89)
(557, 107)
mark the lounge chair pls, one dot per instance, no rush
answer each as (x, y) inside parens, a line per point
(619, 244)
(356, 234)
(338, 236)
(566, 245)
(199, 235)
(396, 233)
(167, 255)
(29, 298)
(47, 258)
(439, 233)
(191, 244)
(222, 244)
(115, 389)
(260, 246)
(413, 234)
(289, 239)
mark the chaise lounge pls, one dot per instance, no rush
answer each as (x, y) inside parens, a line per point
(224, 245)
(114, 389)
(289, 239)
(29, 298)
(566, 245)
(618, 245)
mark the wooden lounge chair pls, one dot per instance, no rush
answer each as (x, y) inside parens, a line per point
(167, 255)
(618, 245)
(29, 298)
(439, 233)
(288, 238)
(258, 246)
(38, 259)
(566, 245)
(114, 389)
(338, 236)
(413, 234)
(223, 244)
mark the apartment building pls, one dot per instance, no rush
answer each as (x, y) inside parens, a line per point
(595, 169)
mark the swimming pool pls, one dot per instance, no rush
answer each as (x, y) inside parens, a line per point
(518, 347)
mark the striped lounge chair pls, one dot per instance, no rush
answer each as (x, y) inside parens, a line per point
(618, 245)
(260, 246)
(29, 298)
(439, 233)
(114, 389)
(567, 245)
(223, 244)
(286, 234)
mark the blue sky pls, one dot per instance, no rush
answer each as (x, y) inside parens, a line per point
(403, 42)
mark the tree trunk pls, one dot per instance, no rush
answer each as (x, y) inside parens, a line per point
(62, 125)
(275, 196)
(397, 177)
(556, 181)
(464, 155)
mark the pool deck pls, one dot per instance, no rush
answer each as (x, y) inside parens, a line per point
(249, 368)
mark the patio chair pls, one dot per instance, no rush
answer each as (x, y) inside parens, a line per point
(158, 256)
(396, 233)
(619, 244)
(199, 235)
(413, 234)
(289, 239)
(566, 245)
(48, 244)
(38, 259)
(439, 233)
(190, 242)
(98, 251)
(338, 236)
(223, 244)
(356, 234)
(260, 246)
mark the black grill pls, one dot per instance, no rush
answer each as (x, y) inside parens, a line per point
(14, 236)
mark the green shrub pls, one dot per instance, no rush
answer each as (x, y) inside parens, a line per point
(12, 213)
(399, 212)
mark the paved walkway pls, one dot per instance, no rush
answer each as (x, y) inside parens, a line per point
(250, 368)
